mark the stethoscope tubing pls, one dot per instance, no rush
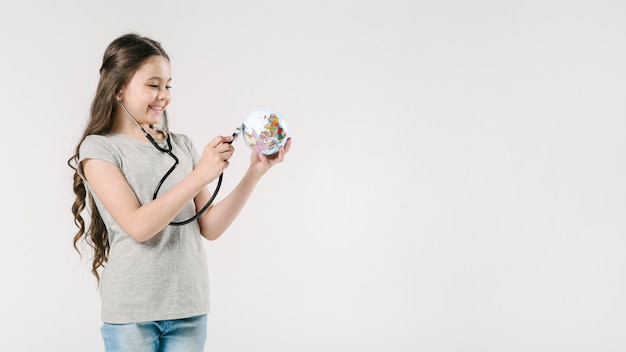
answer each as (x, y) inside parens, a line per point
(169, 152)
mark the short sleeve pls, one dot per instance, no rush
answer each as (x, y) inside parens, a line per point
(97, 147)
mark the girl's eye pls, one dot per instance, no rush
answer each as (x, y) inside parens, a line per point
(156, 86)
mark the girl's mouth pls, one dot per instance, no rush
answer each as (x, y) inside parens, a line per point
(156, 108)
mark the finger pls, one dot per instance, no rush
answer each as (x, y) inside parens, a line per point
(276, 157)
(225, 147)
(229, 139)
(220, 140)
(226, 155)
(288, 145)
(281, 154)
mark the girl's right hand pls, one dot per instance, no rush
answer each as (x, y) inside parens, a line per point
(214, 158)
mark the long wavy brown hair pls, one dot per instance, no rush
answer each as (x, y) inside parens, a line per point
(122, 58)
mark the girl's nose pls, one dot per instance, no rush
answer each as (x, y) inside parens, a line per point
(164, 94)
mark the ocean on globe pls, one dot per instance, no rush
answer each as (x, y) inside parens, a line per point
(265, 131)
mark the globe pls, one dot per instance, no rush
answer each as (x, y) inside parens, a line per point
(265, 131)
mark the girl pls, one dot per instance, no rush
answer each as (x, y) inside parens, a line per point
(148, 254)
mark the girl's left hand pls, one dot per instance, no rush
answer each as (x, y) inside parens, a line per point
(259, 163)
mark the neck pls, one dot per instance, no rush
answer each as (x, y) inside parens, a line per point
(123, 124)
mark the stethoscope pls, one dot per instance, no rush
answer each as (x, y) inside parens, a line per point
(169, 152)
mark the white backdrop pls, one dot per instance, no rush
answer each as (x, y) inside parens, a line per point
(456, 181)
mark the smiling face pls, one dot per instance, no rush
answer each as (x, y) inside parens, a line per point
(148, 92)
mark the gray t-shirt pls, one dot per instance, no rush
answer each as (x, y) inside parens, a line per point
(165, 277)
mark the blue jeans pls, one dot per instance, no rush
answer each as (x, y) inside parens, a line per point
(185, 335)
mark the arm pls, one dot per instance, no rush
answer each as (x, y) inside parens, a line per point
(143, 222)
(216, 220)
